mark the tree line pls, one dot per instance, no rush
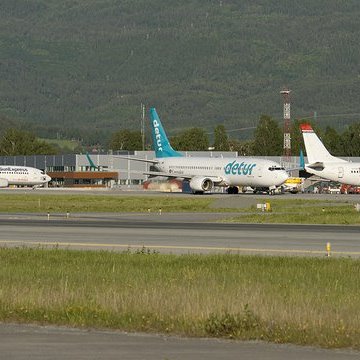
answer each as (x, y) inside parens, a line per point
(267, 140)
(19, 142)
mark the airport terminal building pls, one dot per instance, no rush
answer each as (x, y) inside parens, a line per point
(110, 170)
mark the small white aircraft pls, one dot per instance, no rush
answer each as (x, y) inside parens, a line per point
(323, 164)
(22, 176)
(203, 173)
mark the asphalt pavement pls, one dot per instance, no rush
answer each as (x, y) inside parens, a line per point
(30, 342)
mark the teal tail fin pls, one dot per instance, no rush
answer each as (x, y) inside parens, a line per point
(161, 143)
(302, 160)
(92, 165)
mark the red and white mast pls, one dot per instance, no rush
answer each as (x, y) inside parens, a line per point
(287, 126)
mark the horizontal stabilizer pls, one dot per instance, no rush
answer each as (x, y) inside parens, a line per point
(316, 166)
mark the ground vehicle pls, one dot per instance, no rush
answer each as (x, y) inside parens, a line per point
(293, 184)
(350, 189)
(324, 187)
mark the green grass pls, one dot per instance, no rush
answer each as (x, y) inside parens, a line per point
(302, 212)
(282, 210)
(308, 301)
(98, 203)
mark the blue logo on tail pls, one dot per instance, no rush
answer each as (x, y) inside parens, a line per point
(158, 142)
(161, 143)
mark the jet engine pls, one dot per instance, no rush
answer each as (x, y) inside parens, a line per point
(198, 183)
(4, 183)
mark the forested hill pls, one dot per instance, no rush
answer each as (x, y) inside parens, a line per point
(89, 64)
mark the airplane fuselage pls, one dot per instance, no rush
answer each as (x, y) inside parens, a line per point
(22, 176)
(229, 171)
(343, 172)
(204, 173)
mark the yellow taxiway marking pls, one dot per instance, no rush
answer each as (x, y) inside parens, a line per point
(176, 247)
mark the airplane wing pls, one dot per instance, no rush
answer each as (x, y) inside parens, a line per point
(154, 161)
(301, 163)
(294, 168)
(172, 175)
(175, 175)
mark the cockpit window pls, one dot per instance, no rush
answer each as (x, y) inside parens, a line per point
(274, 167)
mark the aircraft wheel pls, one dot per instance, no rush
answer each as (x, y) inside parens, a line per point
(233, 190)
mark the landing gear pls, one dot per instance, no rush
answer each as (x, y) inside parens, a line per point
(264, 190)
(232, 190)
(272, 190)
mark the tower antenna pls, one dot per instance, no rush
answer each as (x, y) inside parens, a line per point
(143, 126)
(287, 125)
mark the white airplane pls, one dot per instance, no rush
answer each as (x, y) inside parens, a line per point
(204, 173)
(323, 164)
(22, 176)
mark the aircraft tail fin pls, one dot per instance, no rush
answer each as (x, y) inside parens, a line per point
(315, 150)
(302, 161)
(161, 143)
(92, 165)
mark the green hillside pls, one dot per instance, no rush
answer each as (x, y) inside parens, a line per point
(82, 68)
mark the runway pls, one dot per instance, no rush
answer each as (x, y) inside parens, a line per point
(177, 234)
(166, 233)
(20, 342)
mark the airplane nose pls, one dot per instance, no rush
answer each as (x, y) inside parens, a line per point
(46, 178)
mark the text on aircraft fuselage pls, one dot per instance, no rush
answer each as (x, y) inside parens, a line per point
(236, 168)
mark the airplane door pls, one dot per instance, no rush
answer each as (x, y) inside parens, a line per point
(341, 172)
(259, 171)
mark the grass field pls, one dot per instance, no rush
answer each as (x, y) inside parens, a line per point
(310, 301)
(303, 212)
(295, 300)
(282, 210)
(101, 203)
(62, 143)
